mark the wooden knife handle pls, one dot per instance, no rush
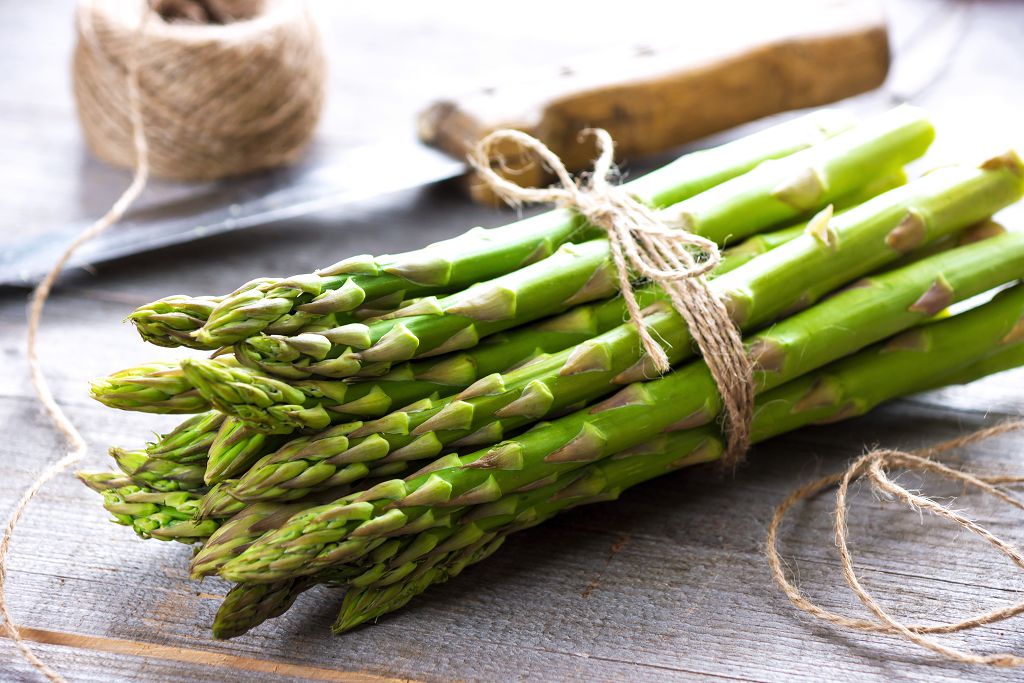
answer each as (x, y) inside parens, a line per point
(774, 57)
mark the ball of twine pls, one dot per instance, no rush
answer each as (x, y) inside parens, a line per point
(224, 87)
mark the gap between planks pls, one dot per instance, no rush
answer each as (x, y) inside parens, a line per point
(202, 657)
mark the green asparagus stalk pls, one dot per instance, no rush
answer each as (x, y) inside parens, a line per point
(171, 321)
(497, 405)
(1010, 356)
(363, 604)
(234, 448)
(218, 503)
(235, 534)
(221, 444)
(768, 195)
(575, 274)
(842, 324)
(170, 515)
(162, 515)
(248, 605)
(852, 386)
(104, 481)
(158, 387)
(190, 441)
(158, 474)
(757, 245)
(284, 306)
(288, 474)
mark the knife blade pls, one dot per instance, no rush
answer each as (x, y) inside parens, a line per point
(358, 173)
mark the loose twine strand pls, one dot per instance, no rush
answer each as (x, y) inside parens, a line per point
(56, 414)
(875, 467)
(643, 245)
(206, 125)
(58, 417)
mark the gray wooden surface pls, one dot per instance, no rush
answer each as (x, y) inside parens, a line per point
(668, 583)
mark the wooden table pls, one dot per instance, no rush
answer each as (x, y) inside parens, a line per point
(667, 583)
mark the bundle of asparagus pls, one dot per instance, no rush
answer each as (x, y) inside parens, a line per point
(384, 422)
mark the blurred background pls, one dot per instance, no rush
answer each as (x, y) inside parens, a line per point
(389, 60)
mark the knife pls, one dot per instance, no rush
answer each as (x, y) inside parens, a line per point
(235, 204)
(651, 99)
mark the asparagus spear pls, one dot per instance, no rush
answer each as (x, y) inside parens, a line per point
(849, 387)
(158, 387)
(158, 474)
(244, 526)
(205, 448)
(104, 481)
(175, 515)
(217, 503)
(757, 245)
(574, 274)
(190, 441)
(497, 405)
(234, 448)
(338, 532)
(1008, 357)
(155, 514)
(364, 604)
(284, 306)
(248, 605)
(766, 196)
(172, 320)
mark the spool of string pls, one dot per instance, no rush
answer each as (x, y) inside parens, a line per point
(225, 86)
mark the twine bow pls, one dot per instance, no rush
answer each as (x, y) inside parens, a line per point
(643, 245)
(875, 467)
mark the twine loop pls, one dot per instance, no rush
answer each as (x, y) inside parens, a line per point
(643, 246)
(875, 467)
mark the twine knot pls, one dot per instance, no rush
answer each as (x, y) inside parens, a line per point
(642, 245)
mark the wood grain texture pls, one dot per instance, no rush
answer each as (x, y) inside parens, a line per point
(667, 583)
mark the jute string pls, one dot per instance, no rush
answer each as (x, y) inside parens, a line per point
(211, 127)
(57, 416)
(643, 245)
(218, 99)
(875, 467)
